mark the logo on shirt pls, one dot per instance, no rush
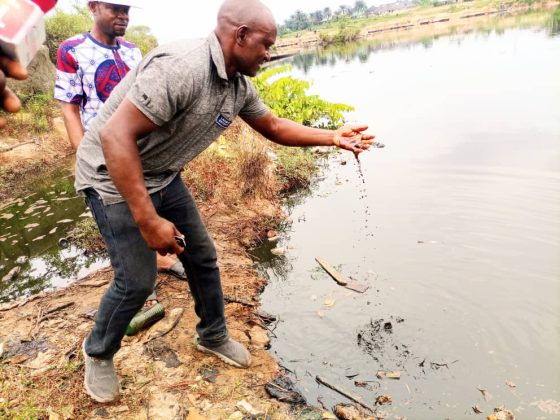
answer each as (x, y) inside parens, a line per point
(222, 121)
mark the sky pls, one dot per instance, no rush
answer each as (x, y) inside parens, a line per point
(176, 19)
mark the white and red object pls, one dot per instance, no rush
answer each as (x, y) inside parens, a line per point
(22, 28)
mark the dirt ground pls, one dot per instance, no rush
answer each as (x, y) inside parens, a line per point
(162, 375)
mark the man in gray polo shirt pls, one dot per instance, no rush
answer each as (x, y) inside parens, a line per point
(164, 113)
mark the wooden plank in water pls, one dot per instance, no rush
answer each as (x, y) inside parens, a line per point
(339, 278)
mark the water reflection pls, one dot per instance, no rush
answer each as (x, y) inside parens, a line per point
(362, 50)
(464, 243)
(555, 23)
(31, 259)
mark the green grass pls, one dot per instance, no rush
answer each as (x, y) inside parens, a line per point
(35, 116)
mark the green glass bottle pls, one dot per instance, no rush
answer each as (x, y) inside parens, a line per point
(145, 318)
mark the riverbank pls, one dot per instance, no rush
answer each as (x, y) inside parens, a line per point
(415, 23)
(161, 377)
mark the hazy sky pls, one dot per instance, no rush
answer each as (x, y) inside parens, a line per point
(175, 19)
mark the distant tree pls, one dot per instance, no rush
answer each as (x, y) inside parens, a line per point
(344, 10)
(63, 25)
(298, 21)
(327, 13)
(360, 8)
(143, 38)
(316, 17)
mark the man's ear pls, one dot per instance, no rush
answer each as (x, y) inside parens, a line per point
(241, 35)
(93, 5)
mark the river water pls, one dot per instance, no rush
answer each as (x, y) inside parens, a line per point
(456, 230)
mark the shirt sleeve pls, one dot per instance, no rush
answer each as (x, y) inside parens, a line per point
(254, 108)
(162, 88)
(68, 86)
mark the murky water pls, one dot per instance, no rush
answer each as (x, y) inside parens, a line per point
(31, 228)
(460, 243)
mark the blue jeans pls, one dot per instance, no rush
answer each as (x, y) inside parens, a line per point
(134, 265)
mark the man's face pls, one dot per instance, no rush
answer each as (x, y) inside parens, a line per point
(111, 19)
(255, 50)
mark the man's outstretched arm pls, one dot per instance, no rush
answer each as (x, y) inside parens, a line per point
(289, 133)
(118, 140)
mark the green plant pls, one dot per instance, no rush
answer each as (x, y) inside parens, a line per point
(287, 98)
(35, 115)
(296, 167)
(143, 38)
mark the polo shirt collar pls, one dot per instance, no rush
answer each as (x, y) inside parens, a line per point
(217, 55)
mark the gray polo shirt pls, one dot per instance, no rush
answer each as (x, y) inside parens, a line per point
(183, 88)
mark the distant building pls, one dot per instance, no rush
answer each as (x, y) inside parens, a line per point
(389, 8)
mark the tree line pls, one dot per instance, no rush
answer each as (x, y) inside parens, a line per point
(300, 21)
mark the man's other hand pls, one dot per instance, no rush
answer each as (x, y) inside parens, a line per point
(352, 137)
(9, 102)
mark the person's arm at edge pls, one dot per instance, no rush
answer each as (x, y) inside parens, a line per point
(290, 133)
(119, 142)
(72, 122)
(9, 102)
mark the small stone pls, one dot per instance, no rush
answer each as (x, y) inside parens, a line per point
(278, 251)
(12, 274)
(21, 260)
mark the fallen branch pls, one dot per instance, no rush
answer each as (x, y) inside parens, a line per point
(344, 393)
(13, 146)
(59, 307)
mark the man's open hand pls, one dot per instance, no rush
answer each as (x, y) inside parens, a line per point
(351, 137)
(9, 102)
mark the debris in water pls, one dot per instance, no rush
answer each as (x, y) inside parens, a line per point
(500, 413)
(21, 260)
(38, 238)
(511, 384)
(388, 374)
(31, 226)
(63, 243)
(350, 412)
(477, 410)
(427, 242)
(12, 274)
(53, 230)
(547, 406)
(383, 399)
(321, 313)
(6, 216)
(487, 396)
(65, 221)
(388, 326)
(329, 301)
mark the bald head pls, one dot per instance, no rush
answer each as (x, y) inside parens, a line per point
(250, 13)
(246, 30)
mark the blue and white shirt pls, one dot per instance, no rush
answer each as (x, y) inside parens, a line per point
(88, 71)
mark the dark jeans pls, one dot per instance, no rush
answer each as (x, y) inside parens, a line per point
(135, 269)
